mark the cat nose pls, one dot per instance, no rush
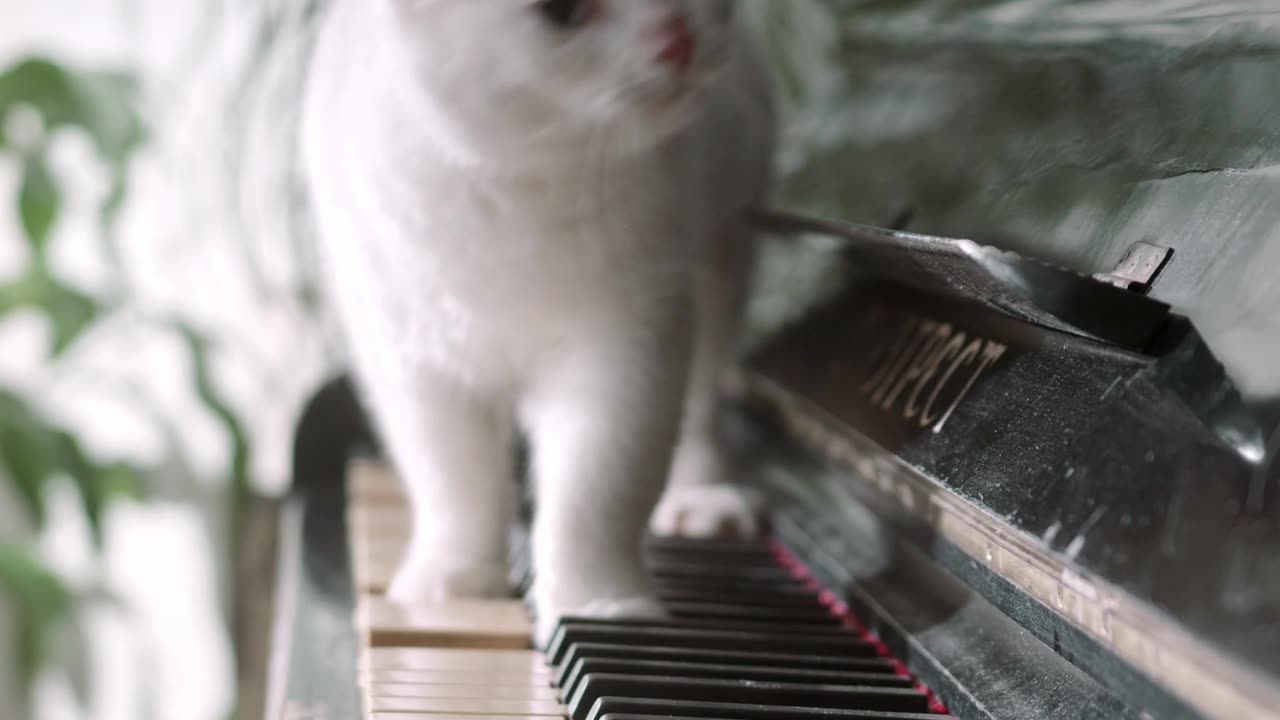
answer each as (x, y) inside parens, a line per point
(680, 42)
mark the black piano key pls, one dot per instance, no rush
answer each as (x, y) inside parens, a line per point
(734, 588)
(836, 697)
(756, 560)
(611, 708)
(711, 551)
(705, 639)
(832, 663)
(813, 615)
(686, 594)
(724, 573)
(782, 713)
(726, 671)
(708, 545)
(573, 626)
(817, 629)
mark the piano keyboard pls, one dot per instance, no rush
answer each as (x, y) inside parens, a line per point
(750, 637)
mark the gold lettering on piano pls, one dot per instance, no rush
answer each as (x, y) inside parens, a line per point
(896, 355)
(926, 369)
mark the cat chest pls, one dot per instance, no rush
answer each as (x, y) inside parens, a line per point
(522, 273)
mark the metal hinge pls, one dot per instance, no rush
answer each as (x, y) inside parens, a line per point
(1140, 267)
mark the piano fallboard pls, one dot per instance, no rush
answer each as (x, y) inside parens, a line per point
(1108, 497)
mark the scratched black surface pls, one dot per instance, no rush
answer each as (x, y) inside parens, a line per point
(1095, 451)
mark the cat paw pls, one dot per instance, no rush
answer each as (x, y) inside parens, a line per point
(426, 583)
(636, 607)
(706, 511)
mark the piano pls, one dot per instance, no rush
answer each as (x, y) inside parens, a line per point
(1003, 485)
(998, 489)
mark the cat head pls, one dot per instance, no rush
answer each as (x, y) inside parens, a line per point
(537, 81)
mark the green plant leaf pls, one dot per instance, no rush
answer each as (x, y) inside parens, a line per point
(123, 481)
(26, 465)
(93, 497)
(213, 401)
(70, 313)
(26, 454)
(97, 485)
(34, 452)
(102, 104)
(39, 201)
(44, 607)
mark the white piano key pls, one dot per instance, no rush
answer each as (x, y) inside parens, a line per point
(534, 708)
(427, 660)
(446, 716)
(474, 692)
(373, 479)
(492, 624)
(454, 676)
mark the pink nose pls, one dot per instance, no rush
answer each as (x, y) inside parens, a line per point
(681, 42)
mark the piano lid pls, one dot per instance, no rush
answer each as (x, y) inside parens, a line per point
(1022, 287)
(1061, 129)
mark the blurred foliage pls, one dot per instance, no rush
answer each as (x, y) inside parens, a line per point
(40, 99)
(43, 605)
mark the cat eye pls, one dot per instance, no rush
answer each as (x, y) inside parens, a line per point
(565, 14)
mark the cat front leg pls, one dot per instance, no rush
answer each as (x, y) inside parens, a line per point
(702, 499)
(453, 451)
(603, 426)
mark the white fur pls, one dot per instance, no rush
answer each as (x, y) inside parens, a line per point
(527, 227)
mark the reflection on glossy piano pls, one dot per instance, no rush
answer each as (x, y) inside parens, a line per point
(999, 489)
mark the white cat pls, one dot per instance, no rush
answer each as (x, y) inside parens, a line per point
(531, 217)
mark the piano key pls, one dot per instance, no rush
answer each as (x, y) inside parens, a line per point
(815, 615)
(704, 639)
(455, 676)
(745, 590)
(474, 692)
(706, 545)
(379, 549)
(373, 576)
(834, 663)
(675, 689)
(391, 522)
(445, 716)
(685, 594)
(726, 671)
(379, 501)
(373, 479)
(517, 662)
(716, 574)
(733, 609)
(805, 630)
(373, 529)
(762, 557)
(741, 559)
(643, 709)
(489, 624)
(453, 706)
